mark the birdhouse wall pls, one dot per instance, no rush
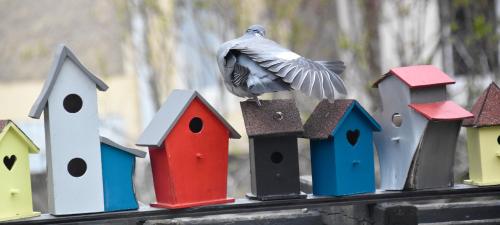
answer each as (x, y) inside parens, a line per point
(354, 159)
(323, 167)
(274, 166)
(474, 155)
(191, 166)
(118, 170)
(429, 94)
(71, 125)
(396, 145)
(483, 147)
(15, 187)
(351, 151)
(391, 87)
(432, 166)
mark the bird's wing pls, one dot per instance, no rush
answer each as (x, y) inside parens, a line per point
(318, 79)
(239, 75)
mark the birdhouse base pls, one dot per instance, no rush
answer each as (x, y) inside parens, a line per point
(191, 204)
(482, 183)
(20, 216)
(275, 197)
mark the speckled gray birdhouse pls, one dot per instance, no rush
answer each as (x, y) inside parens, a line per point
(272, 130)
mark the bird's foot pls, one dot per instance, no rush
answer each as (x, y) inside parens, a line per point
(256, 100)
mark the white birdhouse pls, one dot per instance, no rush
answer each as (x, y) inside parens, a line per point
(69, 102)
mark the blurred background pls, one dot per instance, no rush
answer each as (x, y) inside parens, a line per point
(145, 48)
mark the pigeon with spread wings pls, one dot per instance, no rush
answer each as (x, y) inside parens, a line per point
(252, 65)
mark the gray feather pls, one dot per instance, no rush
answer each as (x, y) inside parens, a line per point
(240, 75)
(271, 68)
(337, 67)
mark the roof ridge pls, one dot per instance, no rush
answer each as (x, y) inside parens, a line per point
(488, 90)
(133, 151)
(335, 114)
(156, 132)
(61, 54)
(32, 147)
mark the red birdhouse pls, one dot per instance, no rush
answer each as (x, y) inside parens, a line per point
(188, 145)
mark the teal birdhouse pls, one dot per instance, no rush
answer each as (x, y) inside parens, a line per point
(341, 148)
(118, 166)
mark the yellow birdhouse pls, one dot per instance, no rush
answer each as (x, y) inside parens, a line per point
(483, 139)
(15, 181)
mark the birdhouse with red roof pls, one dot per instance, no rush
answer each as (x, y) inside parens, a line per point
(188, 146)
(420, 127)
(483, 139)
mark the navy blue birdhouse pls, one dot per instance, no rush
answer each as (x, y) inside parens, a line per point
(341, 143)
(273, 129)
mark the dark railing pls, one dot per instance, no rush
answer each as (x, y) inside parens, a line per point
(245, 205)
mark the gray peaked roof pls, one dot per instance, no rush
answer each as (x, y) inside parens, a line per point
(170, 112)
(132, 151)
(62, 53)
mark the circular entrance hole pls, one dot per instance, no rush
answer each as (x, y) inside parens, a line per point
(77, 167)
(195, 125)
(397, 119)
(72, 103)
(276, 157)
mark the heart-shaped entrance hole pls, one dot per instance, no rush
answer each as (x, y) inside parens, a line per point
(352, 136)
(9, 161)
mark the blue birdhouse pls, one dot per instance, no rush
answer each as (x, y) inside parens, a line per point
(118, 165)
(341, 148)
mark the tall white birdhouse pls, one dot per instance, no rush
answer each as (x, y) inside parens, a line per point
(69, 103)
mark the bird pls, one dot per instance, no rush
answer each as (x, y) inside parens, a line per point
(252, 65)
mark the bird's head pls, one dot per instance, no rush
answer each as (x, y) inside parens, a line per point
(256, 30)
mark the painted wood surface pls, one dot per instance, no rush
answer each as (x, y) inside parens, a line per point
(419, 76)
(483, 146)
(344, 164)
(117, 172)
(442, 111)
(408, 159)
(15, 181)
(432, 166)
(274, 168)
(73, 136)
(396, 145)
(190, 169)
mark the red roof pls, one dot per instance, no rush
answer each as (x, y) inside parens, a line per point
(418, 76)
(445, 110)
